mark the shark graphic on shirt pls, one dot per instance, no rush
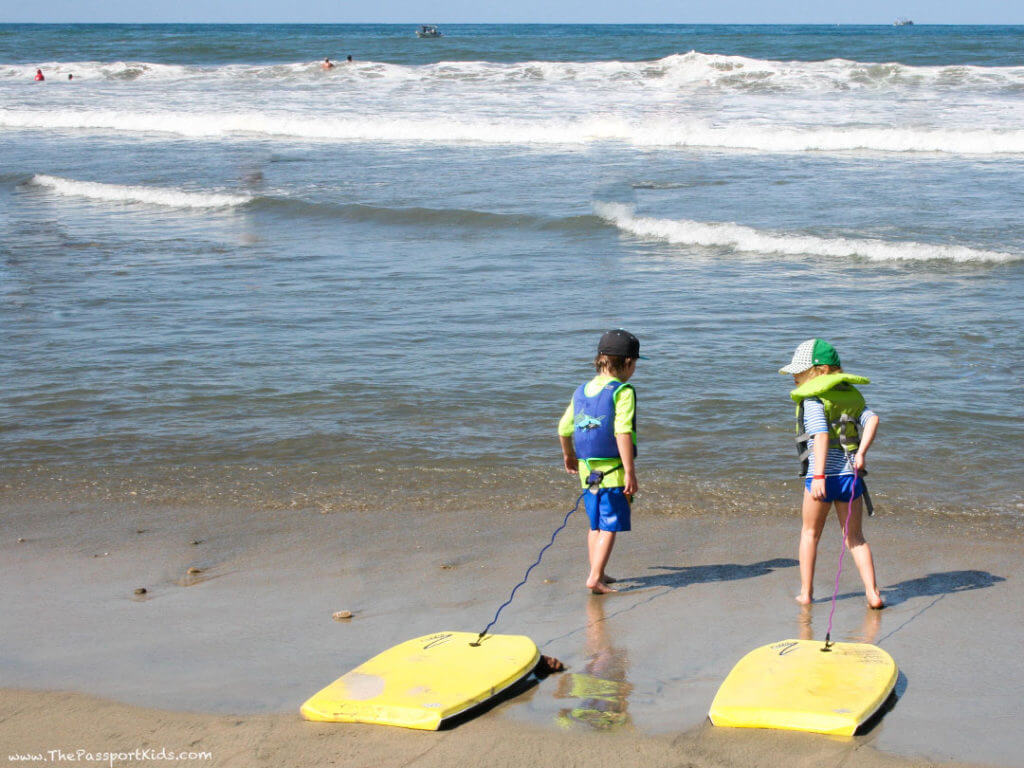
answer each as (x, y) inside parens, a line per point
(588, 422)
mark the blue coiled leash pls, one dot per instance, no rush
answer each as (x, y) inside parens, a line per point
(593, 483)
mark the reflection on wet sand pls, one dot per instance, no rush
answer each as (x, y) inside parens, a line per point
(601, 691)
(869, 628)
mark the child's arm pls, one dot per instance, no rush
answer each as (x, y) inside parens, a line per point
(860, 460)
(818, 465)
(625, 443)
(565, 438)
(569, 455)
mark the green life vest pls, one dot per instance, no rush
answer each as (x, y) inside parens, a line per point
(843, 405)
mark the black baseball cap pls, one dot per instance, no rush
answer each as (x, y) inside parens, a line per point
(621, 343)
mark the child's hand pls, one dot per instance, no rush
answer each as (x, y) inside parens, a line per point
(630, 488)
(860, 463)
(818, 490)
(571, 465)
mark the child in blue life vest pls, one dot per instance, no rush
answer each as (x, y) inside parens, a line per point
(834, 431)
(598, 436)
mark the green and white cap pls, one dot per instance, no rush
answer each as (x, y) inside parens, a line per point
(811, 353)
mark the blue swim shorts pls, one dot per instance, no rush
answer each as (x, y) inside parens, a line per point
(608, 510)
(838, 487)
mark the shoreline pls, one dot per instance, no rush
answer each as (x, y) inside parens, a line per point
(346, 487)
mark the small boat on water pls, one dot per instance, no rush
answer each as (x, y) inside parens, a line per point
(903, 21)
(428, 30)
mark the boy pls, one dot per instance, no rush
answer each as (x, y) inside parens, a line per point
(598, 437)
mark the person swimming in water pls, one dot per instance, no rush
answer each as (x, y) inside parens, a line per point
(349, 58)
(328, 64)
(39, 76)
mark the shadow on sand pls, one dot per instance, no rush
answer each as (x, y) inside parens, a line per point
(682, 576)
(897, 693)
(932, 585)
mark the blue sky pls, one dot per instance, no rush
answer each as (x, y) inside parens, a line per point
(520, 11)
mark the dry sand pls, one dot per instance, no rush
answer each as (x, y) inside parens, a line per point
(220, 659)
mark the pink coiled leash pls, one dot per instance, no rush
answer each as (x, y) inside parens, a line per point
(842, 551)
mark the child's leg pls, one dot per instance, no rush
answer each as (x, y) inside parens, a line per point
(860, 550)
(600, 543)
(605, 578)
(814, 514)
(593, 556)
(591, 547)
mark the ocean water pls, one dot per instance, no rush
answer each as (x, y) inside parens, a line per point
(215, 255)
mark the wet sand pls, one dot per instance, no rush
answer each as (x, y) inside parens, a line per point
(29, 724)
(223, 656)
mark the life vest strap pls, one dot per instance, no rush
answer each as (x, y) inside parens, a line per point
(839, 426)
(597, 475)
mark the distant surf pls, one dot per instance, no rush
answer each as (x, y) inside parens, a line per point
(688, 71)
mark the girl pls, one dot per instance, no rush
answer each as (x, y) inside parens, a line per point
(834, 432)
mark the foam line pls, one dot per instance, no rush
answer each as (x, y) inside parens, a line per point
(750, 240)
(444, 130)
(119, 193)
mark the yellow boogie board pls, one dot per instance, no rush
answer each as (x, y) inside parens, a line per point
(794, 685)
(424, 681)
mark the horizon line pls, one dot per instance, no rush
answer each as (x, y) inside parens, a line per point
(512, 23)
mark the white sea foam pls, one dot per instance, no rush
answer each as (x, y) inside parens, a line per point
(97, 70)
(163, 196)
(742, 73)
(748, 240)
(488, 130)
(684, 71)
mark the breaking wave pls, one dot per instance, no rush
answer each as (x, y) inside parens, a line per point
(119, 193)
(749, 240)
(693, 70)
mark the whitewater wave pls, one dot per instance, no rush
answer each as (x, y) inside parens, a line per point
(100, 70)
(119, 193)
(443, 130)
(693, 70)
(749, 240)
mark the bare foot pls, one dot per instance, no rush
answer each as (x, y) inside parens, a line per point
(804, 599)
(606, 579)
(876, 602)
(600, 588)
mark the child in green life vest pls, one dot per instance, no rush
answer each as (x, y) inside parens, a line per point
(598, 437)
(834, 431)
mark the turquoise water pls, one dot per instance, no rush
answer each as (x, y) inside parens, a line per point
(216, 254)
(206, 44)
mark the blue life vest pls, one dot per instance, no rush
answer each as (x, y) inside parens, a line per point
(593, 434)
